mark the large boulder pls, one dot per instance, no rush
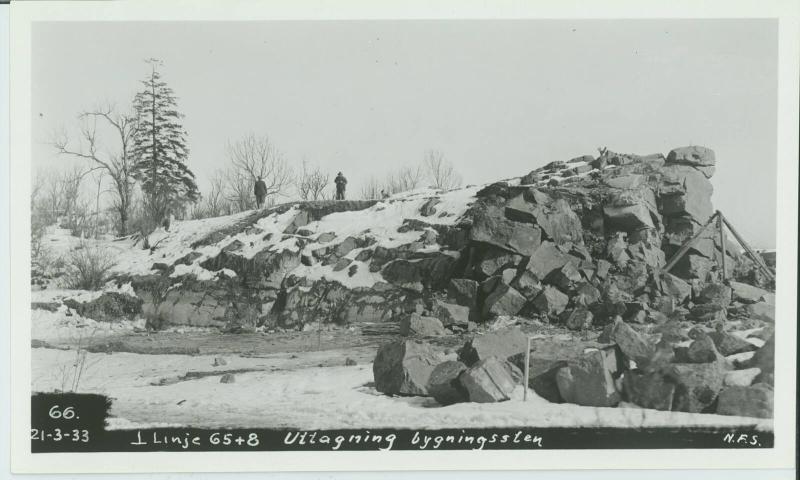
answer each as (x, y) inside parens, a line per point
(430, 271)
(578, 319)
(686, 192)
(761, 311)
(741, 378)
(625, 182)
(550, 301)
(403, 367)
(702, 350)
(674, 287)
(697, 385)
(699, 157)
(451, 314)
(494, 260)
(678, 230)
(753, 401)
(589, 380)
(443, 384)
(716, 293)
(745, 293)
(729, 344)
(650, 256)
(648, 389)
(628, 211)
(490, 226)
(555, 217)
(547, 258)
(463, 291)
(587, 294)
(527, 284)
(503, 300)
(565, 277)
(632, 344)
(415, 324)
(693, 267)
(488, 381)
(708, 313)
(502, 344)
(764, 358)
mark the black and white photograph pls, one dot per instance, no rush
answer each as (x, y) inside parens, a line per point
(405, 234)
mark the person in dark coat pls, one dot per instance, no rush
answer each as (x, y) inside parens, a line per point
(341, 184)
(260, 191)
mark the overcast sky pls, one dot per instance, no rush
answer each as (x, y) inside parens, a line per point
(498, 98)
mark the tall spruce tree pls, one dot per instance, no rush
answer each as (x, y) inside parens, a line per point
(160, 150)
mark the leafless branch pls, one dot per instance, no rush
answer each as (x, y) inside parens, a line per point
(440, 172)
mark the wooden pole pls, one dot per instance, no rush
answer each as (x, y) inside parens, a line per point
(686, 246)
(756, 258)
(722, 246)
(527, 371)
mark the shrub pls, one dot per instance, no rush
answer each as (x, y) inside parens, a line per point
(88, 268)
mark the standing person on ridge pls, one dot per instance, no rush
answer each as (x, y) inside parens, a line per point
(260, 191)
(341, 183)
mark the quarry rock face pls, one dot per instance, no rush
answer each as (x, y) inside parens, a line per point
(538, 248)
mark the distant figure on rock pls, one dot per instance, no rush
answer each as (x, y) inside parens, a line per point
(260, 191)
(341, 184)
(384, 194)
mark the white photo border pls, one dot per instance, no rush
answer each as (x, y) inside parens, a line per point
(24, 14)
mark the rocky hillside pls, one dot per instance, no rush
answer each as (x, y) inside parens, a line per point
(578, 242)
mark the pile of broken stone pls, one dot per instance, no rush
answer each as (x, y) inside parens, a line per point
(582, 245)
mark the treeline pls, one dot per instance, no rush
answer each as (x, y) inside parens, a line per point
(134, 175)
(434, 171)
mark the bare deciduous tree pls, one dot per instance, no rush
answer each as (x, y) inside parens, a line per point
(239, 190)
(406, 178)
(440, 172)
(253, 157)
(371, 189)
(213, 204)
(118, 163)
(62, 191)
(312, 182)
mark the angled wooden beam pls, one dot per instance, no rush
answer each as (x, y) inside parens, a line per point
(686, 246)
(755, 257)
(722, 246)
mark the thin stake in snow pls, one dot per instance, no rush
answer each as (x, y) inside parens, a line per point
(527, 370)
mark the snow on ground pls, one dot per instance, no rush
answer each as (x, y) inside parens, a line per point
(60, 241)
(60, 294)
(281, 394)
(59, 328)
(380, 221)
(56, 327)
